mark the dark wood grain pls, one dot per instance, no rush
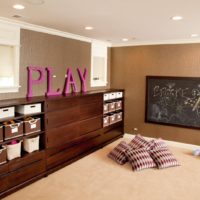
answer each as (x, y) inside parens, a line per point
(71, 152)
(3, 183)
(62, 147)
(26, 173)
(26, 160)
(4, 169)
(62, 117)
(72, 131)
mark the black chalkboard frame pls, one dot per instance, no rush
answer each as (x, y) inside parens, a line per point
(147, 105)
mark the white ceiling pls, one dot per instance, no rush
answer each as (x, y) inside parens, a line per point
(148, 21)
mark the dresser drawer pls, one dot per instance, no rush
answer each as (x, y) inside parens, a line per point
(26, 161)
(57, 149)
(91, 99)
(26, 173)
(72, 152)
(62, 117)
(109, 135)
(3, 169)
(91, 110)
(65, 134)
(61, 135)
(59, 104)
(3, 183)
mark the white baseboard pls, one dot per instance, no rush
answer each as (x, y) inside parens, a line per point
(170, 143)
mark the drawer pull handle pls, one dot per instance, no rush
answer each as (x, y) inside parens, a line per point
(32, 106)
(5, 110)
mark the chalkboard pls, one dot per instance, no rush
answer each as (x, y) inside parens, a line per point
(173, 101)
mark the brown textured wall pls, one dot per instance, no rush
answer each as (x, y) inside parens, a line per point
(130, 66)
(41, 49)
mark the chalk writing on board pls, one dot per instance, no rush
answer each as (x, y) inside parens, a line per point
(173, 100)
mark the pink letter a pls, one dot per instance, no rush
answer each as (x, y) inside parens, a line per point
(70, 82)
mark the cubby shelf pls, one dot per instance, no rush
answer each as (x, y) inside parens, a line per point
(21, 116)
(116, 99)
(71, 127)
(22, 137)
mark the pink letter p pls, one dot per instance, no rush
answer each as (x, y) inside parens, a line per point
(31, 81)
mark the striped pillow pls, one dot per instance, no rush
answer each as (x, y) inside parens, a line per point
(163, 158)
(118, 153)
(159, 143)
(139, 142)
(140, 159)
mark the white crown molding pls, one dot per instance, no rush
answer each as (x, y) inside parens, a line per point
(158, 42)
(52, 31)
(170, 143)
(33, 27)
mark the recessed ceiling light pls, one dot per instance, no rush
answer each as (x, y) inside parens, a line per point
(18, 6)
(125, 39)
(35, 2)
(89, 28)
(177, 18)
(194, 35)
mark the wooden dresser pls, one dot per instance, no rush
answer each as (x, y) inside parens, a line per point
(71, 127)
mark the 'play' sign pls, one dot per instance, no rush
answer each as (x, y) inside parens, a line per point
(69, 81)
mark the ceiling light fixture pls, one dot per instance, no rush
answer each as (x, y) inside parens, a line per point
(125, 39)
(177, 18)
(18, 6)
(89, 28)
(194, 35)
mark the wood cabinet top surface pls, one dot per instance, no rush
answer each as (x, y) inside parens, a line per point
(21, 101)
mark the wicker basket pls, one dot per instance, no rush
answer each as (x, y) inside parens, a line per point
(32, 126)
(13, 130)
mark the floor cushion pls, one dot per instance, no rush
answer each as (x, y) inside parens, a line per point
(139, 142)
(118, 153)
(163, 158)
(140, 159)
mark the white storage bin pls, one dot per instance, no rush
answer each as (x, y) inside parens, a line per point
(111, 106)
(112, 118)
(119, 94)
(3, 155)
(105, 121)
(13, 150)
(119, 117)
(7, 112)
(29, 109)
(106, 97)
(31, 144)
(112, 95)
(105, 110)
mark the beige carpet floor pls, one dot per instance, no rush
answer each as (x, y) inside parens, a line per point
(96, 177)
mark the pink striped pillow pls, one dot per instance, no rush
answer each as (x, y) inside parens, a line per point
(163, 158)
(139, 142)
(140, 159)
(159, 143)
(118, 153)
